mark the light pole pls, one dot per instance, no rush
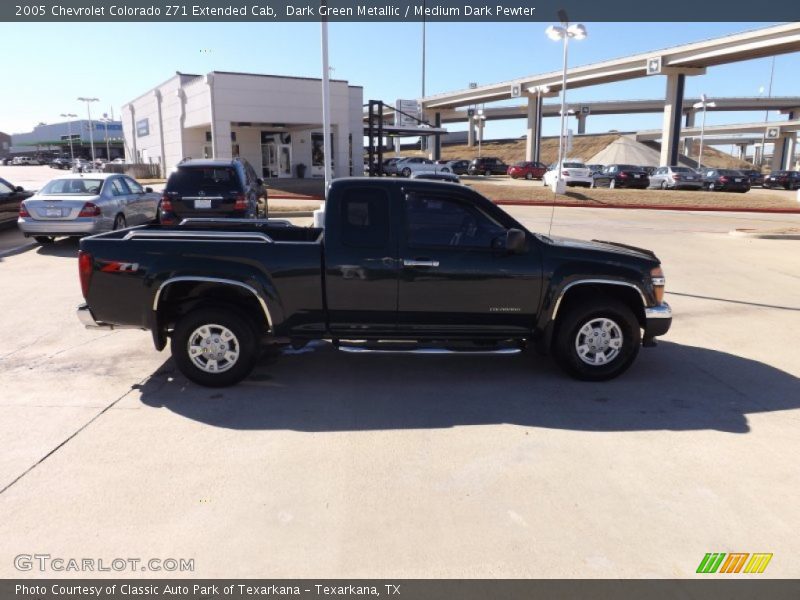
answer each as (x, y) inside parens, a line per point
(89, 112)
(704, 104)
(766, 116)
(105, 120)
(69, 132)
(563, 32)
(480, 118)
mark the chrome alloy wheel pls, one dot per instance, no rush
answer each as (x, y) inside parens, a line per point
(599, 341)
(213, 348)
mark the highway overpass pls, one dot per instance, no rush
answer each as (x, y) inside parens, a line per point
(674, 64)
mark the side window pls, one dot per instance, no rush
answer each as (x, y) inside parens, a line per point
(134, 187)
(441, 221)
(365, 218)
(118, 188)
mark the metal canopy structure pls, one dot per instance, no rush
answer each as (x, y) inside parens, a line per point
(377, 129)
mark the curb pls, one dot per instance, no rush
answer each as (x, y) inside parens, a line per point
(650, 207)
(753, 234)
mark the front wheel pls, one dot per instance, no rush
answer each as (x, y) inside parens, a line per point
(120, 222)
(597, 342)
(406, 172)
(214, 347)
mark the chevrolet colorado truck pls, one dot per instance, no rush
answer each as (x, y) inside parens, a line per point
(400, 265)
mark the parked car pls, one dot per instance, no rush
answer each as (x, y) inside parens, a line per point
(390, 165)
(25, 161)
(7, 160)
(675, 178)
(648, 169)
(487, 166)
(573, 172)
(118, 161)
(10, 198)
(415, 164)
(198, 188)
(440, 176)
(527, 169)
(432, 265)
(77, 205)
(595, 168)
(788, 180)
(81, 165)
(458, 166)
(756, 177)
(725, 180)
(60, 163)
(626, 176)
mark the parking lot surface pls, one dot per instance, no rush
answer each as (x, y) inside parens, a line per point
(324, 464)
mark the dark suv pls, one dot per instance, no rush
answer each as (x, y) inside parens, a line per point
(788, 180)
(487, 166)
(211, 188)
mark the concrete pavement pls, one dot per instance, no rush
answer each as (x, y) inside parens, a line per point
(331, 465)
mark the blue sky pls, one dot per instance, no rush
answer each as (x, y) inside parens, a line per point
(118, 61)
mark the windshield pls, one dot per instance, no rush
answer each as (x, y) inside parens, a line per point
(630, 168)
(682, 170)
(574, 165)
(74, 187)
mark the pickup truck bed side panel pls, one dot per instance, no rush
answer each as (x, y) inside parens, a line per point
(291, 288)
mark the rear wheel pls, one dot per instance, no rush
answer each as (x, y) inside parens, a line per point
(44, 239)
(663, 185)
(597, 342)
(406, 172)
(120, 222)
(214, 347)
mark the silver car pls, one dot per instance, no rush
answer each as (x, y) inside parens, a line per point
(78, 205)
(674, 178)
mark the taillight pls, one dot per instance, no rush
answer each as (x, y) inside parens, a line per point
(623, 175)
(241, 202)
(565, 173)
(85, 263)
(676, 177)
(723, 179)
(90, 209)
(166, 203)
(23, 210)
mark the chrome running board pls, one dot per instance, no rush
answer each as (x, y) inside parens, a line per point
(429, 351)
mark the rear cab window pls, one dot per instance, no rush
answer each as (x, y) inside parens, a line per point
(365, 215)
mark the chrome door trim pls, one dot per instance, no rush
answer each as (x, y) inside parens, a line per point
(420, 263)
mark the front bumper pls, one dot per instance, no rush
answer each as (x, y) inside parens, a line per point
(658, 320)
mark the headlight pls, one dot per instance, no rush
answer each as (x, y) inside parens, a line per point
(658, 280)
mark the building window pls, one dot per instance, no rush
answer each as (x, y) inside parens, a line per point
(143, 128)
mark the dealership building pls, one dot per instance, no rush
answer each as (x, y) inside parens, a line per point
(71, 137)
(274, 122)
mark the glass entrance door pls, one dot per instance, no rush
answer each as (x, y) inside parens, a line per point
(269, 159)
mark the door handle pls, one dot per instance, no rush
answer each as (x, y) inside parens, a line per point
(420, 263)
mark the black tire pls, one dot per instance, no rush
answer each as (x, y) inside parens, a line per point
(568, 330)
(120, 222)
(244, 342)
(44, 240)
(406, 172)
(664, 185)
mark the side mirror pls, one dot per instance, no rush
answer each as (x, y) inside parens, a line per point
(515, 241)
(19, 188)
(148, 190)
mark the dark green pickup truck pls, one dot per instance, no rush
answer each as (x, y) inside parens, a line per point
(401, 265)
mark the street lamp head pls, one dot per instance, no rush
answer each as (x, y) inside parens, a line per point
(82, 99)
(555, 32)
(577, 31)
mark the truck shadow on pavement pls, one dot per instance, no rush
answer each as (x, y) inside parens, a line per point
(61, 248)
(672, 387)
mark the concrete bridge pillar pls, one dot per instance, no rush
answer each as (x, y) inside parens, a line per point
(534, 131)
(783, 154)
(470, 132)
(742, 151)
(581, 122)
(673, 110)
(689, 122)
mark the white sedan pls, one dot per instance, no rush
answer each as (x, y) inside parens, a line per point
(573, 172)
(78, 205)
(418, 164)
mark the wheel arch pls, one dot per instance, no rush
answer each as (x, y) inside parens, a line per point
(178, 296)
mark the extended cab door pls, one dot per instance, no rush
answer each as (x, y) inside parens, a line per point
(457, 278)
(361, 266)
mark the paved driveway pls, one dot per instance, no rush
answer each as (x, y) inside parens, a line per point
(331, 465)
